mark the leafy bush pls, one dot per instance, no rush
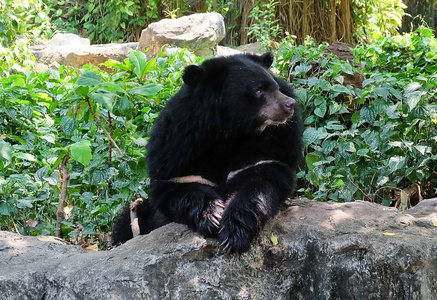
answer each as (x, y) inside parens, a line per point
(362, 142)
(265, 25)
(21, 22)
(378, 18)
(22, 18)
(103, 22)
(55, 115)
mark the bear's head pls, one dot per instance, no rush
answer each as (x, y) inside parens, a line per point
(242, 89)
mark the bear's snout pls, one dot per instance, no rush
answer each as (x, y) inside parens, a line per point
(289, 104)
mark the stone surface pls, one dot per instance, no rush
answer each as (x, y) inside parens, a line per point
(252, 48)
(354, 250)
(67, 39)
(226, 51)
(199, 33)
(97, 54)
(72, 50)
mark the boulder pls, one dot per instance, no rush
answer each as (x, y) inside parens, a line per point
(67, 39)
(72, 50)
(226, 51)
(97, 54)
(199, 33)
(311, 250)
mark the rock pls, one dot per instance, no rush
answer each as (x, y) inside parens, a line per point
(225, 51)
(199, 33)
(311, 250)
(97, 54)
(252, 48)
(72, 50)
(67, 39)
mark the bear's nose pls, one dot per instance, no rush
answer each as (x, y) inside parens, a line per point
(289, 103)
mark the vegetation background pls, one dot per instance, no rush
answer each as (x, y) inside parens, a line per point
(72, 141)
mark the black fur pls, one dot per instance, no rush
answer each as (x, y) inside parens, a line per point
(230, 125)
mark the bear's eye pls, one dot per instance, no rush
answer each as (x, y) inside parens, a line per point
(258, 92)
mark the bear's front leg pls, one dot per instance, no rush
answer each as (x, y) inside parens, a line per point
(254, 194)
(185, 200)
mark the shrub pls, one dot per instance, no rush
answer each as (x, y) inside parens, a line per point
(66, 114)
(362, 142)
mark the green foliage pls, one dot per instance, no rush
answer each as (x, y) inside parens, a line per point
(265, 25)
(361, 140)
(22, 18)
(16, 58)
(20, 23)
(103, 22)
(46, 116)
(378, 18)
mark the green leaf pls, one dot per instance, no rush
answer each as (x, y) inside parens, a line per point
(368, 114)
(363, 152)
(328, 146)
(274, 239)
(53, 179)
(312, 135)
(396, 163)
(301, 94)
(413, 98)
(339, 89)
(82, 90)
(324, 84)
(140, 141)
(146, 90)
(89, 229)
(423, 149)
(41, 173)
(6, 209)
(412, 86)
(320, 110)
(22, 203)
(312, 81)
(68, 125)
(49, 137)
(338, 182)
(106, 100)
(112, 87)
(310, 159)
(123, 106)
(27, 111)
(89, 78)
(139, 60)
(81, 151)
(5, 152)
(382, 92)
(25, 156)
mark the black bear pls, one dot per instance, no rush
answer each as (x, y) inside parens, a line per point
(223, 153)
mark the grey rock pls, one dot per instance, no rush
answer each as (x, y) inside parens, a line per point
(226, 51)
(67, 39)
(97, 54)
(251, 48)
(199, 33)
(311, 250)
(72, 50)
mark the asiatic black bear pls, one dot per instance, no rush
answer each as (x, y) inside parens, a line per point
(223, 153)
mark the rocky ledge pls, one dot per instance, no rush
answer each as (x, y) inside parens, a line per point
(311, 250)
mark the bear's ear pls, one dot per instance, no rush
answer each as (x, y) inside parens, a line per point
(267, 59)
(193, 75)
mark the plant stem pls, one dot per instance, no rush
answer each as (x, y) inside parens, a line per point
(97, 119)
(65, 176)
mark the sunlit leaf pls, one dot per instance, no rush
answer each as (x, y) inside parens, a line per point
(146, 90)
(81, 151)
(89, 78)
